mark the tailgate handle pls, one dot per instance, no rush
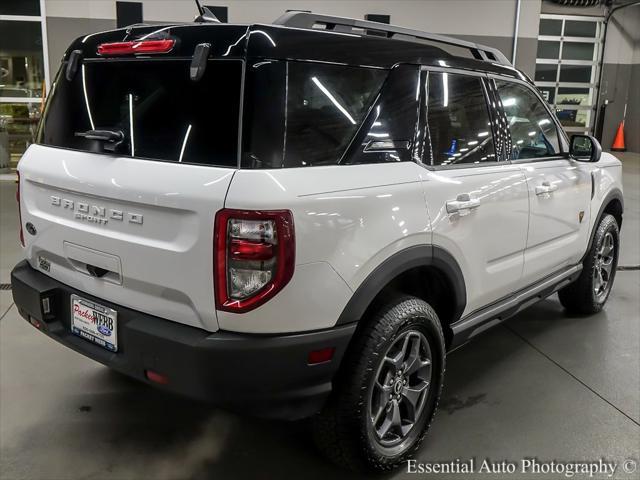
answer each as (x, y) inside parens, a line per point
(95, 263)
(96, 271)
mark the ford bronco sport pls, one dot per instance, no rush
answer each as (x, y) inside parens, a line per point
(301, 219)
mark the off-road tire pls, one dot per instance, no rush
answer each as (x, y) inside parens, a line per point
(343, 430)
(580, 296)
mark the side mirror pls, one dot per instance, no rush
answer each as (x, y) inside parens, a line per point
(585, 148)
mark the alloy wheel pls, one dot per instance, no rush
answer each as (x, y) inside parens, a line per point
(400, 388)
(603, 268)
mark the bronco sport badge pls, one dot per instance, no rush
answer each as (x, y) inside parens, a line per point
(95, 213)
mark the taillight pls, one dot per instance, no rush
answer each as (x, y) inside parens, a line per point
(143, 46)
(254, 257)
(19, 211)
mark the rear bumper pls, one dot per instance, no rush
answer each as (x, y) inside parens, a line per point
(256, 374)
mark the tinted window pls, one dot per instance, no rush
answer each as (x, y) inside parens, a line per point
(386, 135)
(575, 73)
(20, 7)
(578, 51)
(533, 131)
(546, 72)
(548, 49)
(576, 28)
(550, 27)
(161, 112)
(458, 119)
(325, 106)
(21, 60)
(299, 114)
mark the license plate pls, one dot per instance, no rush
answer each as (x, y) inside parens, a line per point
(94, 322)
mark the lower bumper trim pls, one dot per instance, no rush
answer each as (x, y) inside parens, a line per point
(262, 375)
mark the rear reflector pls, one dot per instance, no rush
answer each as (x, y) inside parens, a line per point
(127, 48)
(321, 356)
(156, 377)
(35, 322)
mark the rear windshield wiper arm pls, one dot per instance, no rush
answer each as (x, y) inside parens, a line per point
(103, 135)
(114, 138)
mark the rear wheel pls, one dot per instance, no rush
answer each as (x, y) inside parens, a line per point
(590, 291)
(386, 394)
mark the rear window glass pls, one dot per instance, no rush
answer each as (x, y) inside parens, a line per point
(161, 113)
(311, 119)
(459, 122)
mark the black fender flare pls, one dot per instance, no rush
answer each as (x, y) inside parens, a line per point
(391, 268)
(615, 194)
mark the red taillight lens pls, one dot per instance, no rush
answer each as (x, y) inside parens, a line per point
(254, 257)
(144, 46)
(19, 211)
(246, 250)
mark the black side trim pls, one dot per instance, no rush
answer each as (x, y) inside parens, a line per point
(614, 194)
(495, 313)
(412, 257)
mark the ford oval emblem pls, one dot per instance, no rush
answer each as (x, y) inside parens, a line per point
(104, 330)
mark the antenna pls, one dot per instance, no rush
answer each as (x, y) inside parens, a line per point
(206, 16)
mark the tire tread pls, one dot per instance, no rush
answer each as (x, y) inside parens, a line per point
(337, 431)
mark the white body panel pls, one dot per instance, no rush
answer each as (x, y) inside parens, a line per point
(607, 176)
(350, 218)
(559, 219)
(165, 262)
(489, 241)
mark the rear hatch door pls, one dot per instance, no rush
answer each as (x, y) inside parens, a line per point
(134, 159)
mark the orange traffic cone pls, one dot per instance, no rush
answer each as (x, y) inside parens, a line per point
(618, 141)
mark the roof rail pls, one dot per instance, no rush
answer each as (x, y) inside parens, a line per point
(300, 19)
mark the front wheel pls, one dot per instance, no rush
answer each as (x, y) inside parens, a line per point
(386, 393)
(590, 291)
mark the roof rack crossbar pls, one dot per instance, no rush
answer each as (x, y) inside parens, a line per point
(300, 19)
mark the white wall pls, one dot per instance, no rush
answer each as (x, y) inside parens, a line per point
(465, 17)
(99, 9)
(623, 36)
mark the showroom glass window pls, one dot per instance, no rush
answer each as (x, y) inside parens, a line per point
(568, 66)
(458, 120)
(23, 76)
(533, 132)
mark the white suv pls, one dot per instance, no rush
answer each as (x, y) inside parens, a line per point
(302, 218)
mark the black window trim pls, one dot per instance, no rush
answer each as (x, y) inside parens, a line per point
(563, 140)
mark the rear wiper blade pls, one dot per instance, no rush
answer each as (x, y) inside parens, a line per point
(103, 135)
(113, 138)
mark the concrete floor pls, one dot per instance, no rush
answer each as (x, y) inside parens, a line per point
(542, 385)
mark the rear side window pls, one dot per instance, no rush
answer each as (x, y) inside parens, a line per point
(458, 120)
(325, 106)
(533, 132)
(162, 114)
(311, 110)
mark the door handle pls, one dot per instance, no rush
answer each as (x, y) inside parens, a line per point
(463, 204)
(545, 188)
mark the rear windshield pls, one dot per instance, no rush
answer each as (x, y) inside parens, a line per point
(161, 113)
